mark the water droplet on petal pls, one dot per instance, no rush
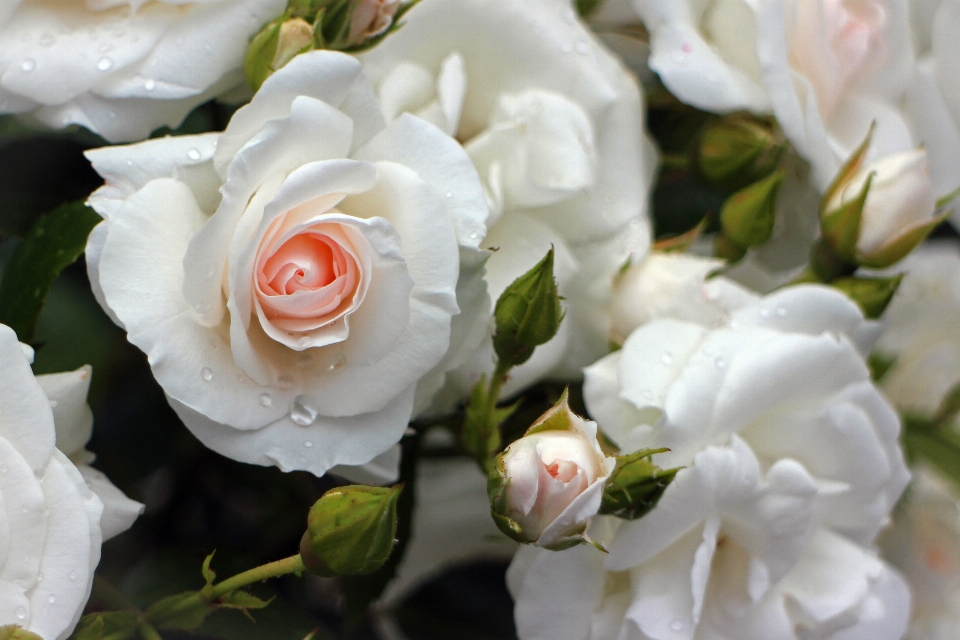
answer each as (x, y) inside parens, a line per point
(47, 40)
(104, 64)
(474, 235)
(21, 613)
(676, 625)
(150, 84)
(666, 358)
(566, 47)
(206, 374)
(782, 312)
(266, 400)
(40, 577)
(4, 468)
(285, 381)
(52, 599)
(582, 48)
(720, 362)
(72, 575)
(764, 312)
(25, 508)
(302, 415)
(449, 194)
(28, 65)
(193, 154)
(308, 444)
(303, 342)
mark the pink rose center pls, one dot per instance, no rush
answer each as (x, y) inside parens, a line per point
(307, 278)
(562, 470)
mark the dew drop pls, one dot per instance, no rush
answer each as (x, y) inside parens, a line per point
(302, 415)
(308, 444)
(40, 577)
(4, 468)
(129, 163)
(666, 358)
(449, 194)
(150, 84)
(72, 575)
(566, 47)
(676, 625)
(28, 65)
(206, 374)
(582, 48)
(47, 40)
(266, 400)
(21, 613)
(104, 64)
(285, 381)
(679, 58)
(303, 342)
(25, 508)
(474, 235)
(720, 362)
(52, 599)
(193, 154)
(764, 312)
(782, 312)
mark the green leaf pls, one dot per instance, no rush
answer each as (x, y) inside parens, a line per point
(51, 245)
(352, 529)
(209, 575)
(635, 486)
(14, 632)
(165, 612)
(242, 600)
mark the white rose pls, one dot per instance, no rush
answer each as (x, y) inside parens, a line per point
(922, 336)
(792, 467)
(56, 515)
(553, 478)
(123, 68)
(554, 125)
(293, 279)
(900, 200)
(933, 97)
(924, 543)
(826, 68)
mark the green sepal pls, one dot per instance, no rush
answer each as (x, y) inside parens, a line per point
(849, 169)
(14, 632)
(898, 248)
(258, 61)
(825, 265)
(111, 625)
(587, 7)
(556, 418)
(527, 314)
(841, 227)
(748, 216)
(944, 201)
(872, 294)
(510, 527)
(880, 365)
(353, 528)
(52, 244)
(497, 483)
(737, 150)
(726, 249)
(635, 485)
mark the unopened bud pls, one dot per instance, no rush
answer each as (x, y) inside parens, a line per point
(351, 530)
(528, 314)
(748, 216)
(276, 44)
(635, 486)
(871, 294)
(546, 486)
(736, 151)
(370, 19)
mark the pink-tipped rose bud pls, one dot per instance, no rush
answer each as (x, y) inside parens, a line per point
(370, 19)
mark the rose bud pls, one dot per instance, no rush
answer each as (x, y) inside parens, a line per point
(874, 215)
(547, 485)
(370, 19)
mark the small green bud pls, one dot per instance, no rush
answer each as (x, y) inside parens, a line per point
(635, 486)
(13, 632)
(748, 216)
(528, 314)
(276, 44)
(871, 294)
(351, 530)
(737, 150)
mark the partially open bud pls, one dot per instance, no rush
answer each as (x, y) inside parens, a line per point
(546, 486)
(276, 44)
(738, 150)
(874, 215)
(527, 314)
(351, 530)
(371, 18)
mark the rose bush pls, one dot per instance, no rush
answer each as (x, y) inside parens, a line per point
(123, 68)
(792, 468)
(554, 124)
(826, 69)
(57, 509)
(292, 279)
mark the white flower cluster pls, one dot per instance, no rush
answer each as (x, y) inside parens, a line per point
(325, 270)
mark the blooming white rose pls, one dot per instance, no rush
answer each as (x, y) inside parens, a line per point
(554, 125)
(123, 68)
(924, 543)
(933, 97)
(899, 201)
(293, 279)
(55, 515)
(792, 467)
(552, 478)
(922, 336)
(826, 68)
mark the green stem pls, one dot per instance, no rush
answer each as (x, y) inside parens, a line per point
(207, 595)
(109, 595)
